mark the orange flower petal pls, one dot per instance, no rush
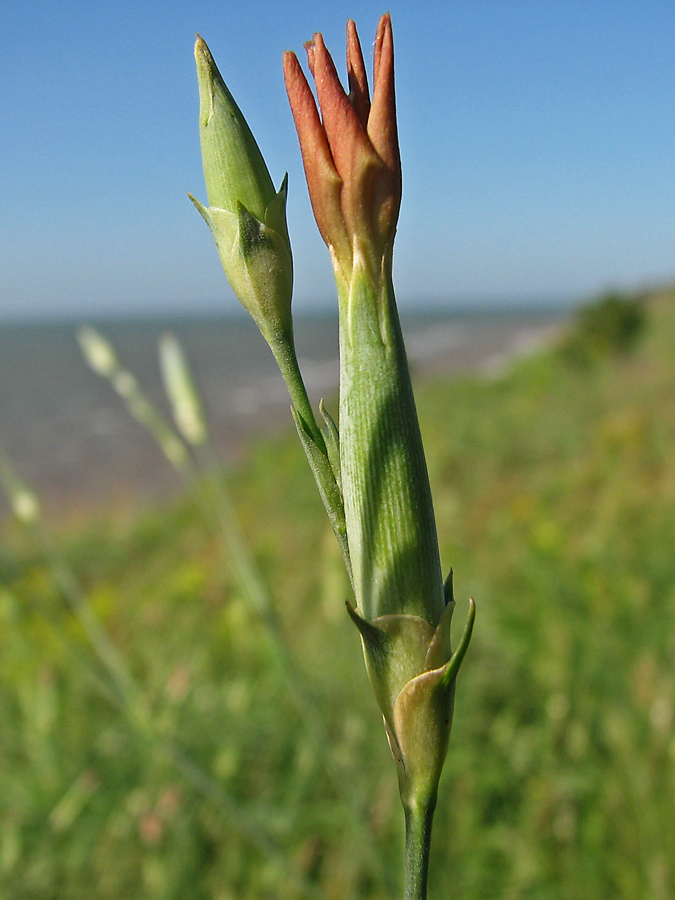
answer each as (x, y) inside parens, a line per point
(323, 180)
(347, 138)
(350, 153)
(382, 129)
(356, 72)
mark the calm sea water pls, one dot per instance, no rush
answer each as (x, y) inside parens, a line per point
(72, 440)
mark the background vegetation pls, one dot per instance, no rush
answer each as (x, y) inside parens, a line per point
(224, 764)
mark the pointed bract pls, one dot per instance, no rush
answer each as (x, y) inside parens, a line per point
(413, 671)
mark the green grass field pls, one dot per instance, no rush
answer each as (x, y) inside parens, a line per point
(241, 756)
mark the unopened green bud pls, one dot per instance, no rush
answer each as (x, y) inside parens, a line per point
(247, 217)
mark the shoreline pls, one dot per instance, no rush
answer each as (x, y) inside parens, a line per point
(84, 456)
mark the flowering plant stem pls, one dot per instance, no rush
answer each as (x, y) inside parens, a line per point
(388, 507)
(284, 354)
(418, 822)
(371, 473)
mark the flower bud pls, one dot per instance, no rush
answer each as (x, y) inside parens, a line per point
(350, 153)
(247, 217)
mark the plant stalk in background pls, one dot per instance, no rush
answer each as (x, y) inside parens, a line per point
(372, 474)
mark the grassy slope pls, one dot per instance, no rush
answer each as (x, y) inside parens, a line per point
(555, 497)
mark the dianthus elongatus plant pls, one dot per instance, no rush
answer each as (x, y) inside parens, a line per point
(371, 473)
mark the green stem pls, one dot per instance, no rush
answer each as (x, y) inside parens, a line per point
(418, 822)
(284, 354)
(389, 515)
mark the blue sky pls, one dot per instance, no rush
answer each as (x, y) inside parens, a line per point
(538, 146)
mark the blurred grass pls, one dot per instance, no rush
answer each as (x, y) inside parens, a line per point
(554, 486)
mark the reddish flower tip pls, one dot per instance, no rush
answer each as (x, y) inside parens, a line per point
(353, 140)
(356, 73)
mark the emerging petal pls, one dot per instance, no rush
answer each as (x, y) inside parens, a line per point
(382, 129)
(346, 135)
(356, 72)
(353, 155)
(323, 181)
(362, 144)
